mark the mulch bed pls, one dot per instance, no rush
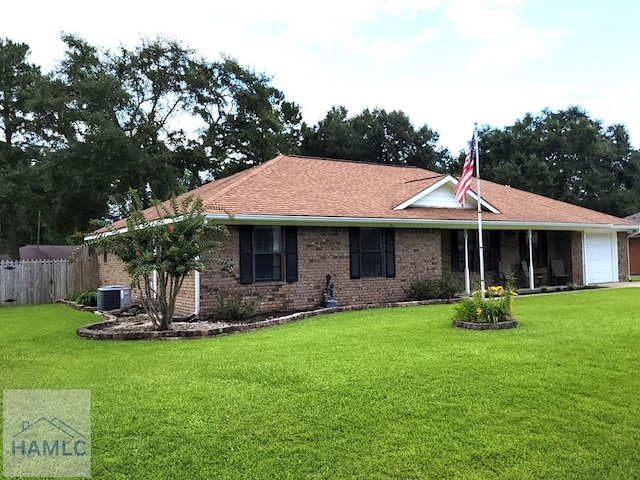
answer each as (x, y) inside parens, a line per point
(140, 327)
(134, 328)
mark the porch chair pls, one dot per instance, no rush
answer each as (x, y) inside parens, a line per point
(525, 269)
(558, 273)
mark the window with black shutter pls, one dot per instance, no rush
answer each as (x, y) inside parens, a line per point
(372, 252)
(268, 254)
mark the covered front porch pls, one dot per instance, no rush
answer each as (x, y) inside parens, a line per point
(532, 258)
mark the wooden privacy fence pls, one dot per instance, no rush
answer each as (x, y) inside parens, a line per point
(30, 282)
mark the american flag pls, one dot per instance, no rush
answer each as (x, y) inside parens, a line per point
(464, 182)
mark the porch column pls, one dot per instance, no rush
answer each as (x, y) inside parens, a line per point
(467, 280)
(532, 278)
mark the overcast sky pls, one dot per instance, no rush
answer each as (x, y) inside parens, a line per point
(445, 63)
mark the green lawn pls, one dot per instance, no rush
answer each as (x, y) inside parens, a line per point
(378, 394)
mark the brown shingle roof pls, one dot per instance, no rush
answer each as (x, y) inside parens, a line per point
(312, 187)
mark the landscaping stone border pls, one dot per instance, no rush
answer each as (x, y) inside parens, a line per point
(485, 325)
(78, 306)
(93, 330)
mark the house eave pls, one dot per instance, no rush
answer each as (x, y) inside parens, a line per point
(117, 231)
(239, 219)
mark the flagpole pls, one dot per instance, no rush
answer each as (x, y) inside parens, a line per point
(480, 240)
(467, 280)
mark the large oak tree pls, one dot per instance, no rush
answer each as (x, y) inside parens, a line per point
(565, 155)
(158, 119)
(375, 136)
(21, 192)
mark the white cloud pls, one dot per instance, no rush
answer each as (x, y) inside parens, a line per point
(425, 37)
(619, 102)
(502, 39)
(409, 7)
(396, 51)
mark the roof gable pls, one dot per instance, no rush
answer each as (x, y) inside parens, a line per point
(442, 195)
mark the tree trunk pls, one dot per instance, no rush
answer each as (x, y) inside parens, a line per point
(166, 310)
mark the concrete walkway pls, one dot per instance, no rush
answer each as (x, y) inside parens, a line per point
(619, 285)
(559, 288)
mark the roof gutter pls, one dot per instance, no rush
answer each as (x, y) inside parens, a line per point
(117, 231)
(410, 223)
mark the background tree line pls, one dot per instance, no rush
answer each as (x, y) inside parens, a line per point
(160, 119)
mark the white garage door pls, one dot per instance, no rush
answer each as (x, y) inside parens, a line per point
(601, 253)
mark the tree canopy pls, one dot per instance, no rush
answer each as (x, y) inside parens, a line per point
(20, 152)
(160, 119)
(567, 156)
(157, 119)
(375, 136)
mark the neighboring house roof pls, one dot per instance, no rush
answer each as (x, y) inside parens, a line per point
(307, 191)
(47, 252)
(635, 218)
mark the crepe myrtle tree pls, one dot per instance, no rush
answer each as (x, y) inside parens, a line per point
(171, 244)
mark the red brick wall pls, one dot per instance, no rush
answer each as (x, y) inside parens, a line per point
(112, 272)
(186, 301)
(323, 251)
(634, 255)
(623, 257)
(576, 258)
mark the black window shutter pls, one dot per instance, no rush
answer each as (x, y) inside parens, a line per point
(291, 251)
(390, 251)
(246, 254)
(354, 252)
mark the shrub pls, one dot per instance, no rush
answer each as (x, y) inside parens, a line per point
(447, 286)
(233, 309)
(88, 298)
(497, 306)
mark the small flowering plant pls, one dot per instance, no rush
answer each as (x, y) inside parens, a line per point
(497, 306)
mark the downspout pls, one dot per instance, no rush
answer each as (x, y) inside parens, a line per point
(629, 257)
(532, 278)
(584, 258)
(155, 277)
(196, 290)
(155, 283)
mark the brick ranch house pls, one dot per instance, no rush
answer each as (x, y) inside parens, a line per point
(376, 228)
